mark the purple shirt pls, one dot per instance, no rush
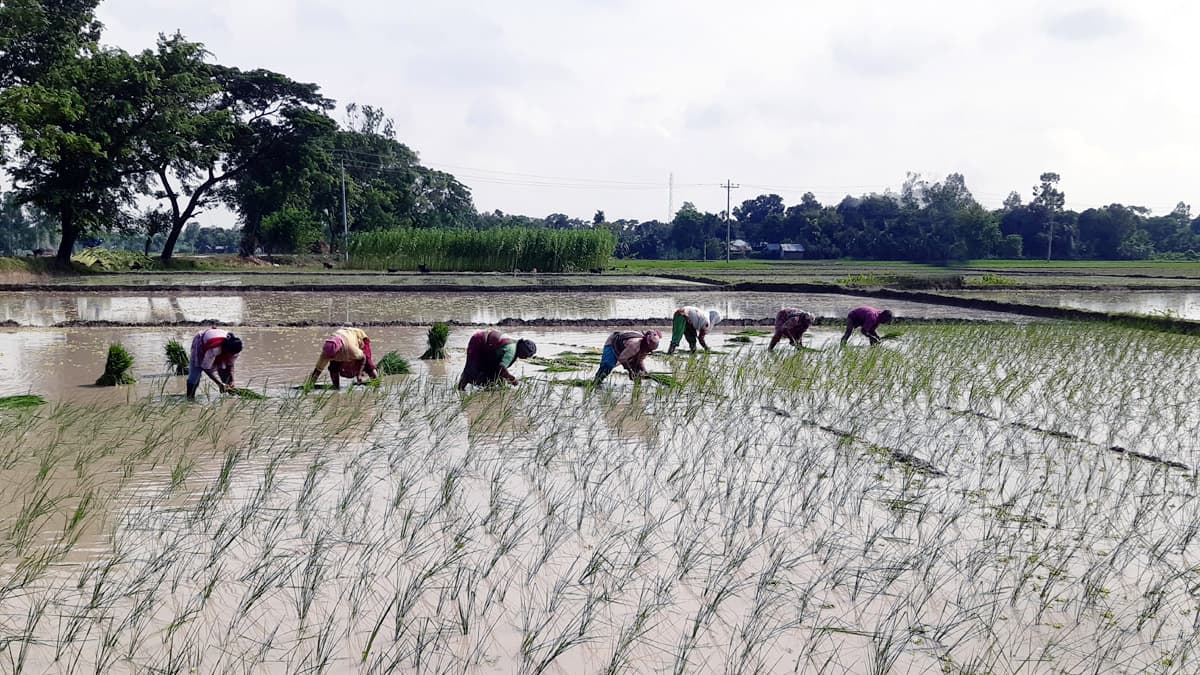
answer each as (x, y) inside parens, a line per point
(865, 317)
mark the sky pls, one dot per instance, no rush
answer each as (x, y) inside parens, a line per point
(570, 106)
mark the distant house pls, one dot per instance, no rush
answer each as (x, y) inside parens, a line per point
(740, 246)
(783, 251)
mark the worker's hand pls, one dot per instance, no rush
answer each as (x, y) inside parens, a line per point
(223, 388)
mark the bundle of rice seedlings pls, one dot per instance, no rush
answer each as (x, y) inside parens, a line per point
(439, 335)
(116, 367)
(246, 393)
(177, 357)
(665, 379)
(393, 364)
(20, 401)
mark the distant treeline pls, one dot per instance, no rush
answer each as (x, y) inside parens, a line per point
(924, 222)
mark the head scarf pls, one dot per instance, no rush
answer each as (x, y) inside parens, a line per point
(650, 340)
(526, 348)
(714, 318)
(331, 348)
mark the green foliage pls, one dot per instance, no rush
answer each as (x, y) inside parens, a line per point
(291, 230)
(567, 362)
(21, 401)
(439, 335)
(102, 259)
(393, 364)
(116, 367)
(177, 358)
(246, 393)
(495, 250)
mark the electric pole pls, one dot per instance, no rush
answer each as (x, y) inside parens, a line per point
(729, 186)
(671, 197)
(345, 227)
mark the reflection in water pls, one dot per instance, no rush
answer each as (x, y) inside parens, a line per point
(268, 308)
(1179, 304)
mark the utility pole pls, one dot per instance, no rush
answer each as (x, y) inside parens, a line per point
(1050, 239)
(345, 228)
(671, 197)
(729, 186)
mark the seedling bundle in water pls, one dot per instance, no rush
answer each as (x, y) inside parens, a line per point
(177, 357)
(246, 393)
(567, 362)
(439, 335)
(116, 367)
(20, 401)
(393, 364)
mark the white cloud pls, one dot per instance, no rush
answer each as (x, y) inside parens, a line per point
(833, 98)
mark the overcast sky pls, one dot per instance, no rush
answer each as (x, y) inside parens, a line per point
(576, 105)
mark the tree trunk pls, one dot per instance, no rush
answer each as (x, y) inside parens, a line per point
(249, 243)
(147, 251)
(66, 245)
(172, 237)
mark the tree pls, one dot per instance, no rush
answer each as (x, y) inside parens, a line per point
(215, 123)
(1048, 202)
(39, 36)
(78, 128)
(151, 223)
(291, 230)
(599, 217)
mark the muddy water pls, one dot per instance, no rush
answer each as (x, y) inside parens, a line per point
(1181, 304)
(62, 364)
(273, 308)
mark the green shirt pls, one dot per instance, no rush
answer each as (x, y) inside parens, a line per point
(508, 354)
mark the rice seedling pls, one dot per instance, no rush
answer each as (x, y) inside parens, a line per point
(394, 364)
(21, 401)
(952, 503)
(567, 361)
(242, 392)
(439, 335)
(177, 358)
(116, 367)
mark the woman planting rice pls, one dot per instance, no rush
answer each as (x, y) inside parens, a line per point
(867, 319)
(347, 353)
(693, 324)
(627, 348)
(790, 323)
(489, 356)
(214, 352)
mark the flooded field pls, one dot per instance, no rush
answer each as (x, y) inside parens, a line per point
(300, 279)
(965, 498)
(1183, 304)
(273, 308)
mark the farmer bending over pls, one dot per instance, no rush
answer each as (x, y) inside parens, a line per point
(489, 356)
(627, 348)
(213, 353)
(867, 319)
(693, 324)
(790, 323)
(347, 353)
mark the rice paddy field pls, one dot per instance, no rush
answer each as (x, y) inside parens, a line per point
(963, 499)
